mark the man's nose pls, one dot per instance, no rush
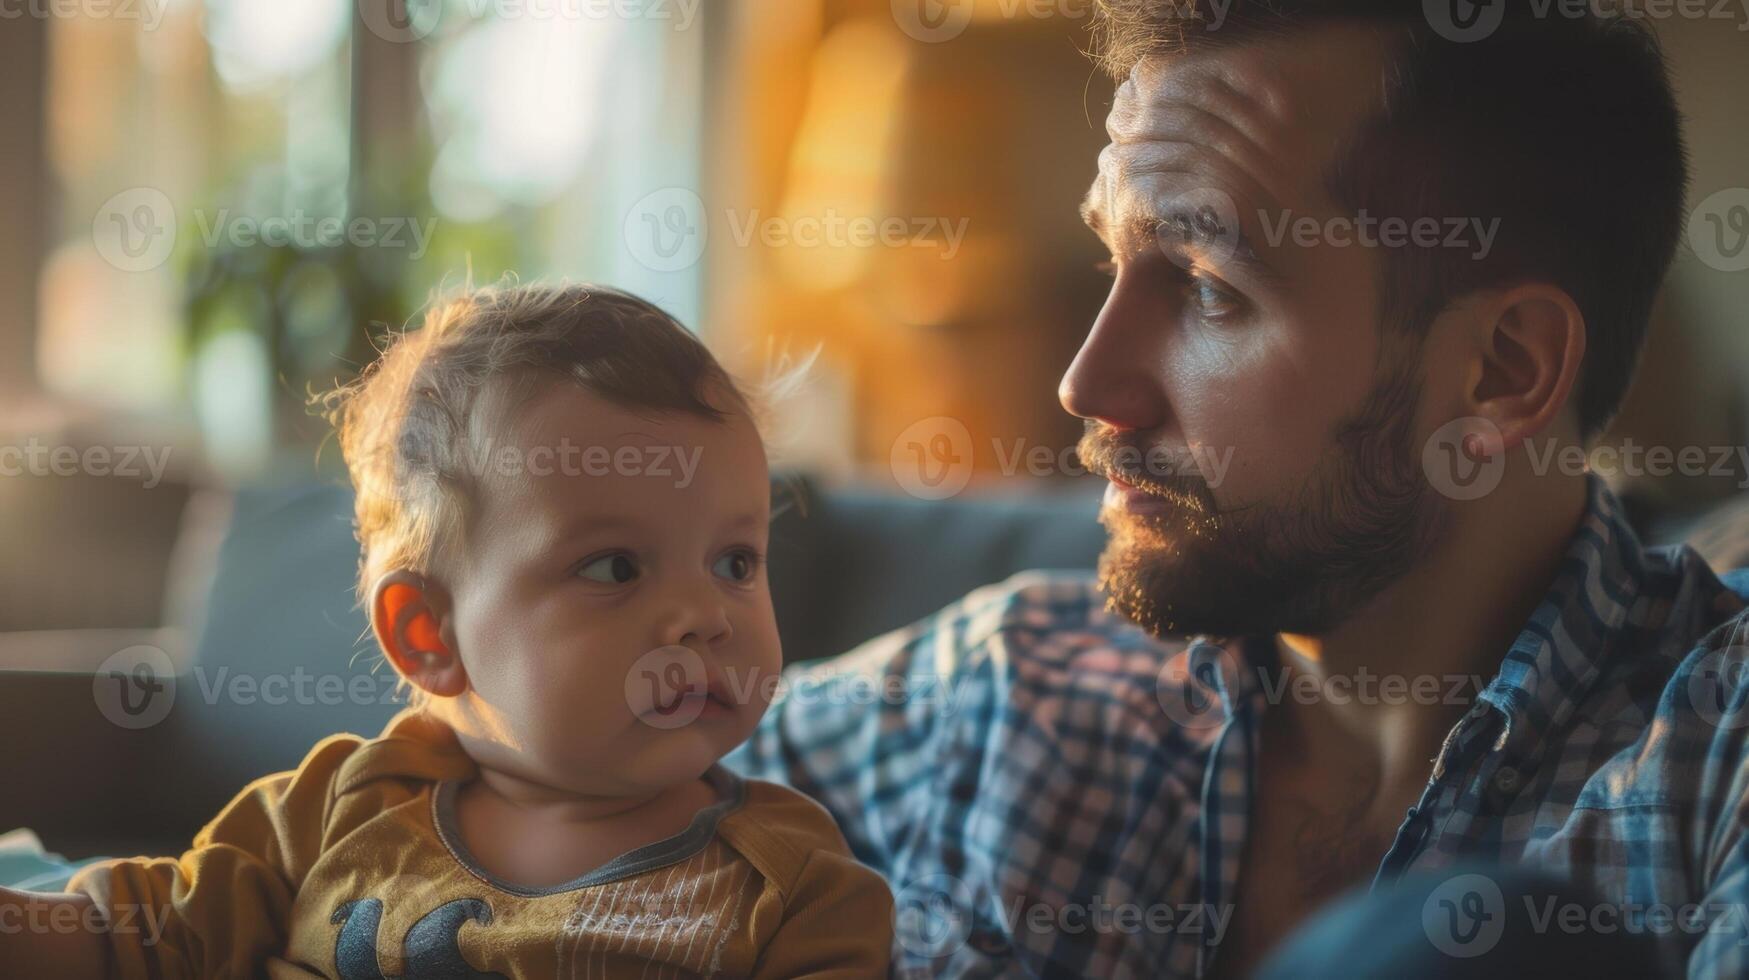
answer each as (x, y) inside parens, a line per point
(1115, 377)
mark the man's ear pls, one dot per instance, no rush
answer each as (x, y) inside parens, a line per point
(407, 615)
(1532, 347)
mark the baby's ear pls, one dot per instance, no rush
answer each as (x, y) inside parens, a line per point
(406, 614)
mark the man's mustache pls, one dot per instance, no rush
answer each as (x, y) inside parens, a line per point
(1172, 476)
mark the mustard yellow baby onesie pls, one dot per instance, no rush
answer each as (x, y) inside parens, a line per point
(351, 868)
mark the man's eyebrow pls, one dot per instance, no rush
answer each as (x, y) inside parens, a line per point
(1194, 230)
(1160, 230)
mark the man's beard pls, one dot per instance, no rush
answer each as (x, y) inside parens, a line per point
(1361, 519)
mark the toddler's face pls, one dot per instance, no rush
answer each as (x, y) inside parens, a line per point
(613, 615)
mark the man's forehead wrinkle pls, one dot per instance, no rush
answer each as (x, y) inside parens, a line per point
(1212, 142)
(1240, 115)
(1246, 82)
(1139, 177)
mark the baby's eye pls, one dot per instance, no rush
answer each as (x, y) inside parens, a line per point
(615, 569)
(738, 565)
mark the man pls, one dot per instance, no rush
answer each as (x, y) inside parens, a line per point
(1400, 268)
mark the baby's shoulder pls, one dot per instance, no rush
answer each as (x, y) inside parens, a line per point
(778, 829)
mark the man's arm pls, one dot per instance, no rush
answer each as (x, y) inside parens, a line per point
(51, 935)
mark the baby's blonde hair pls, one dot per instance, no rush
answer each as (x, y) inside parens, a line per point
(409, 424)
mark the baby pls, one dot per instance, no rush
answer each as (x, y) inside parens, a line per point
(562, 508)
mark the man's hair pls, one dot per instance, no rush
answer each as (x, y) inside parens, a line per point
(413, 426)
(1564, 128)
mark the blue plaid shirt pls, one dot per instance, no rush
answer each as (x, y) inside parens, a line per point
(1052, 791)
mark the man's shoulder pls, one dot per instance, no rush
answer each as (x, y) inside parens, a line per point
(1668, 722)
(1685, 633)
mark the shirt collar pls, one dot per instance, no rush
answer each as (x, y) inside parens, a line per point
(1581, 623)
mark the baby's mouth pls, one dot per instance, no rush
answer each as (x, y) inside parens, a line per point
(695, 697)
(673, 686)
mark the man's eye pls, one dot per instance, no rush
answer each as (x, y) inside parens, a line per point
(1213, 300)
(737, 566)
(615, 569)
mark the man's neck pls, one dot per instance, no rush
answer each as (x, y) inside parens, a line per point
(1438, 634)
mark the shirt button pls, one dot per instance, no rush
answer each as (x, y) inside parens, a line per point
(1507, 780)
(990, 944)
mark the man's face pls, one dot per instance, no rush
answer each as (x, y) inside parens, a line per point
(1237, 384)
(613, 613)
